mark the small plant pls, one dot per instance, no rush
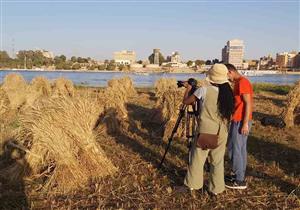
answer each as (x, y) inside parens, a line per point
(277, 89)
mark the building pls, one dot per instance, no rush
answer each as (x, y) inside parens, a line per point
(297, 61)
(285, 59)
(46, 54)
(175, 57)
(125, 57)
(233, 52)
(266, 62)
(252, 64)
(156, 53)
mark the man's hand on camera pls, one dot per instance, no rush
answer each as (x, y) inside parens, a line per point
(187, 85)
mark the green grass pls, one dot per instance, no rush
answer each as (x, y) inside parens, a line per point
(273, 88)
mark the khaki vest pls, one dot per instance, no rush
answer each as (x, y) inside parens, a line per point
(210, 120)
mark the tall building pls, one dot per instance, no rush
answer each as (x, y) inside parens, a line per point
(285, 59)
(125, 57)
(297, 61)
(156, 53)
(233, 53)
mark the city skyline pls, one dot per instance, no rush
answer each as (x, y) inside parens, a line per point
(198, 30)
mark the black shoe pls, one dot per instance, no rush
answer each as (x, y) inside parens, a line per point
(239, 185)
(230, 178)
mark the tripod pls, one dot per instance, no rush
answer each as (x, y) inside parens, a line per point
(191, 119)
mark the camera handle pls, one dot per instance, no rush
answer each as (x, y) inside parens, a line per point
(179, 118)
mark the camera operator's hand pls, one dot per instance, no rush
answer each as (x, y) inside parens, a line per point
(187, 86)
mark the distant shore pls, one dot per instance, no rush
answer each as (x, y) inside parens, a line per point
(186, 71)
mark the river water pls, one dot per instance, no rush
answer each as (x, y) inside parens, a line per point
(99, 79)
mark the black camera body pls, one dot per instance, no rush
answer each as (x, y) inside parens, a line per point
(191, 81)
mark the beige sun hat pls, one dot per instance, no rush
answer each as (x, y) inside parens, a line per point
(217, 74)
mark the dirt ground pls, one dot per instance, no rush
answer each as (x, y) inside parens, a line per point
(273, 172)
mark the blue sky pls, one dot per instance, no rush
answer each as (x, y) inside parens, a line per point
(197, 29)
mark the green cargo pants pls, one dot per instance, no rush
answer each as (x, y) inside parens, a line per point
(194, 176)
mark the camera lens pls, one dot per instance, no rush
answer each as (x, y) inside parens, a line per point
(180, 84)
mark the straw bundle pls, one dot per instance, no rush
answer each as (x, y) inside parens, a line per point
(4, 102)
(62, 146)
(114, 99)
(64, 87)
(292, 102)
(39, 88)
(115, 112)
(16, 89)
(124, 85)
(169, 105)
(164, 84)
(42, 85)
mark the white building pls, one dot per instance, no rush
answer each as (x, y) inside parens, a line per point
(175, 57)
(125, 57)
(233, 53)
(47, 54)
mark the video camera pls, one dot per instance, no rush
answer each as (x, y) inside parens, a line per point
(191, 81)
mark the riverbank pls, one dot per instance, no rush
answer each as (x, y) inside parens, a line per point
(140, 71)
(140, 79)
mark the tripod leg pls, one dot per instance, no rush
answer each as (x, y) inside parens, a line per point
(181, 114)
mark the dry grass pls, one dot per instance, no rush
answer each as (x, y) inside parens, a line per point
(64, 153)
(272, 172)
(16, 89)
(63, 87)
(4, 103)
(293, 102)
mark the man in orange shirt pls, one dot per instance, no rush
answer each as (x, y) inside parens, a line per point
(239, 128)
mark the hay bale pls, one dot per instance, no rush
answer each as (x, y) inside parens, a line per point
(114, 99)
(124, 85)
(169, 105)
(115, 112)
(41, 85)
(128, 86)
(63, 148)
(293, 100)
(38, 89)
(63, 87)
(164, 84)
(4, 102)
(16, 89)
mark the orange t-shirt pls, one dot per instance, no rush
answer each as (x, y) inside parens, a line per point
(242, 86)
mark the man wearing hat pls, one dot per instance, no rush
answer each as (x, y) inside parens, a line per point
(239, 128)
(216, 110)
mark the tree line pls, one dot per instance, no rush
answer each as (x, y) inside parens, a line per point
(30, 59)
